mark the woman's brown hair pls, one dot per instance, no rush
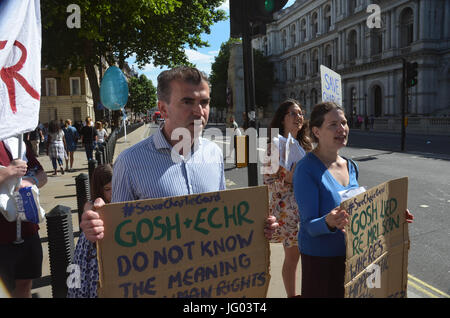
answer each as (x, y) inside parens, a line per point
(277, 122)
(101, 176)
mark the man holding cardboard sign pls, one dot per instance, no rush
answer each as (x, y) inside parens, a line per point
(175, 161)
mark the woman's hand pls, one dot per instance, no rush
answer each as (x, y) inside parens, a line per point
(337, 219)
(17, 168)
(270, 226)
(409, 217)
(290, 174)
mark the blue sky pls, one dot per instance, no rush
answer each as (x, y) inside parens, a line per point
(203, 57)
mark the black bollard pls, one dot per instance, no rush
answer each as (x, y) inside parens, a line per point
(102, 150)
(106, 152)
(92, 164)
(60, 247)
(98, 157)
(83, 192)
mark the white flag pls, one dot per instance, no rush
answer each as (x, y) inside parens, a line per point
(20, 66)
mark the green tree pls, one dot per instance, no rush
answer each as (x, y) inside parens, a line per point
(155, 31)
(264, 76)
(142, 94)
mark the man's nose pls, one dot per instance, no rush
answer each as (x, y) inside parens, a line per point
(197, 109)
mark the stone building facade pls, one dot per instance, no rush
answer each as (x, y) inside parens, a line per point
(65, 95)
(344, 36)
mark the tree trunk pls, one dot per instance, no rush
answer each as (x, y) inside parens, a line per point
(95, 88)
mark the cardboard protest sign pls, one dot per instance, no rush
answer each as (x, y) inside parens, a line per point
(377, 242)
(331, 85)
(201, 245)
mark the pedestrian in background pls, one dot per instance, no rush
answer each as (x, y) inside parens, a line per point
(72, 136)
(56, 146)
(89, 138)
(319, 179)
(288, 118)
(102, 135)
(34, 138)
(85, 255)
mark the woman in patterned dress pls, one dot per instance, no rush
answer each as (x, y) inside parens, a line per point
(85, 255)
(288, 119)
(56, 146)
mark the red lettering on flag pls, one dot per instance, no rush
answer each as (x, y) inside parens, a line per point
(8, 74)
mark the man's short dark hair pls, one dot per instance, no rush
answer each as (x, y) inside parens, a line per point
(181, 73)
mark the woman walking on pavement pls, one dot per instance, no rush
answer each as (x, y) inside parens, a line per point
(56, 146)
(288, 118)
(71, 135)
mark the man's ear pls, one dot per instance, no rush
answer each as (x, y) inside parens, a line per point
(162, 106)
(315, 131)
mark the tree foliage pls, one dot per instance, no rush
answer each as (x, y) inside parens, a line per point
(142, 94)
(264, 76)
(154, 31)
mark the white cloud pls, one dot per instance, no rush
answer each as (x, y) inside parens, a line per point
(225, 6)
(197, 57)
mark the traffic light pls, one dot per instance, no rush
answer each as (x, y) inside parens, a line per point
(237, 18)
(258, 12)
(263, 10)
(411, 74)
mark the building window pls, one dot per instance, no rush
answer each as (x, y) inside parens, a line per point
(328, 57)
(377, 100)
(284, 71)
(352, 46)
(50, 85)
(283, 40)
(75, 87)
(314, 25)
(76, 114)
(303, 98)
(304, 69)
(327, 18)
(314, 97)
(376, 41)
(293, 39)
(52, 113)
(407, 27)
(293, 68)
(351, 6)
(315, 62)
(303, 30)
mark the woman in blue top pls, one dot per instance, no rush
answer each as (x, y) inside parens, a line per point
(72, 136)
(319, 180)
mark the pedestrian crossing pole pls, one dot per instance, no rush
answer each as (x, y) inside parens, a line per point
(404, 96)
(249, 83)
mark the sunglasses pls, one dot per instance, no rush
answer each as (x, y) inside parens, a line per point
(295, 114)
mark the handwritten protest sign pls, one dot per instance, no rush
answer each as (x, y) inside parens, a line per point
(201, 245)
(377, 242)
(331, 85)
